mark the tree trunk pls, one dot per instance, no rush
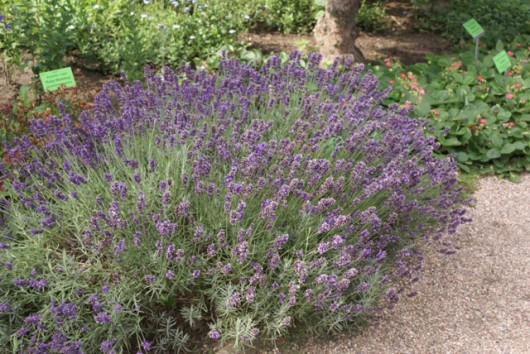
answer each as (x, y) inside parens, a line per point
(335, 32)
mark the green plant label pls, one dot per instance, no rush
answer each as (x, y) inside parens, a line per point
(51, 80)
(502, 61)
(473, 28)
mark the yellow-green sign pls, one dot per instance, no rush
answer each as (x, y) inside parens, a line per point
(473, 28)
(502, 61)
(51, 80)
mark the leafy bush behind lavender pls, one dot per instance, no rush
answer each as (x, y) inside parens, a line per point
(115, 36)
(235, 206)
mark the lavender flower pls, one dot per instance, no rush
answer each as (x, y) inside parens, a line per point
(214, 335)
(107, 346)
(323, 247)
(234, 300)
(102, 317)
(146, 345)
(280, 241)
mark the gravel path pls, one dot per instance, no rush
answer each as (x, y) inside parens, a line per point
(474, 301)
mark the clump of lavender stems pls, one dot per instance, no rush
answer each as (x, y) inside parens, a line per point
(252, 200)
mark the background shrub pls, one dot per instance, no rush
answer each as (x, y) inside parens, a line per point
(501, 20)
(371, 16)
(290, 16)
(115, 36)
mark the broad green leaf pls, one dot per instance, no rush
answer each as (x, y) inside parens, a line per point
(423, 107)
(504, 116)
(507, 149)
(496, 139)
(519, 145)
(451, 142)
(493, 153)
(500, 46)
(464, 167)
(469, 79)
(462, 157)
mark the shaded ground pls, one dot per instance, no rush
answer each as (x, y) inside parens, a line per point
(401, 41)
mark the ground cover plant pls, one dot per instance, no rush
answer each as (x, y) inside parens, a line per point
(477, 113)
(236, 206)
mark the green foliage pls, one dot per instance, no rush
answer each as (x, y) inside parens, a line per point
(501, 20)
(11, 37)
(371, 16)
(115, 36)
(290, 16)
(477, 114)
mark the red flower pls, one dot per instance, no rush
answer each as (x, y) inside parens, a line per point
(510, 53)
(517, 85)
(512, 124)
(483, 120)
(480, 78)
(473, 127)
(509, 96)
(403, 75)
(391, 82)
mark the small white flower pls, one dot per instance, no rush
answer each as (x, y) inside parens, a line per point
(96, 7)
(192, 37)
(176, 26)
(232, 31)
(143, 16)
(247, 17)
(147, 2)
(71, 27)
(132, 13)
(150, 18)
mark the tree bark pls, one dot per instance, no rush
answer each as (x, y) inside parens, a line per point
(335, 32)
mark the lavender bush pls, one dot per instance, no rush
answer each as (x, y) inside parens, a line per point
(235, 206)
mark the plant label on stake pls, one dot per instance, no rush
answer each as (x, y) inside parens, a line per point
(52, 80)
(502, 61)
(476, 31)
